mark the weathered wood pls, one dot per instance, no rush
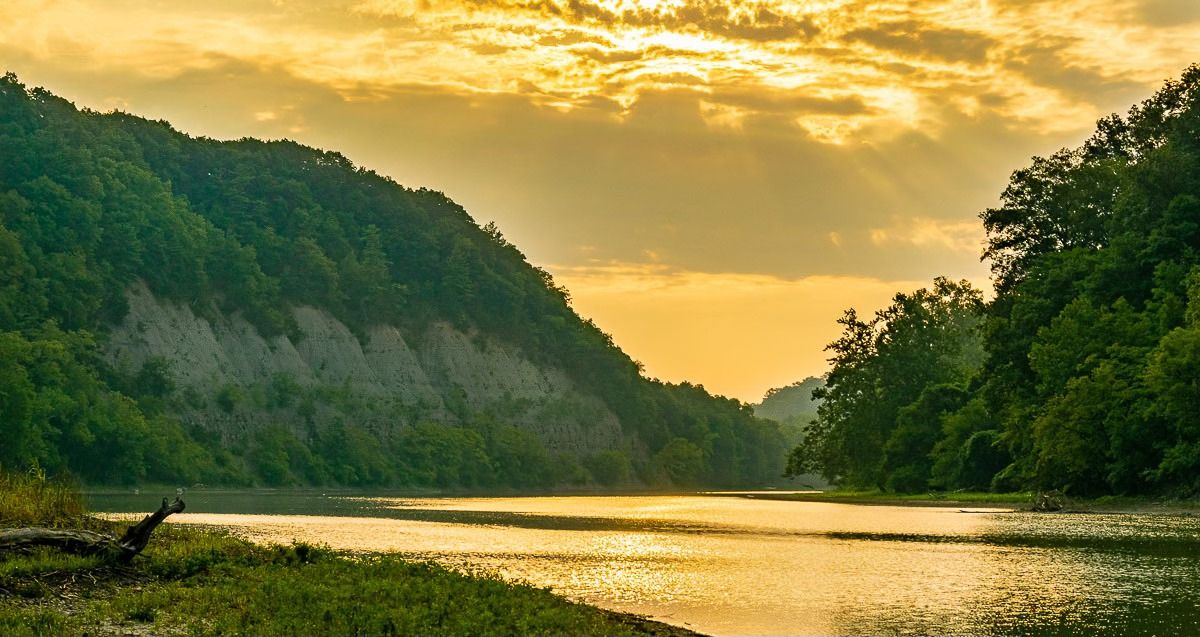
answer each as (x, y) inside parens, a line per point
(78, 542)
(138, 535)
(1048, 501)
(82, 542)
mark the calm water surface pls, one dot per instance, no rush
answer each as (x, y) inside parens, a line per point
(745, 566)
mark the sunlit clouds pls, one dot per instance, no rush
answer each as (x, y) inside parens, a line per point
(840, 70)
(747, 141)
(958, 236)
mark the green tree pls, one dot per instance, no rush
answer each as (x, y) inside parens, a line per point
(610, 467)
(908, 454)
(681, 461)
(922, 339)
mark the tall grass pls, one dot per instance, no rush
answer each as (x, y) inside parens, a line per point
(32, 499)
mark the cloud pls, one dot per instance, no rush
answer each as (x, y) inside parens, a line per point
(755, 21)
(1167, 13)
(957, 236)
(1048, 64)
(765, 99)
(914, 38)
(856, 70)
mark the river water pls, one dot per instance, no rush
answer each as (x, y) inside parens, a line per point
(745, 565)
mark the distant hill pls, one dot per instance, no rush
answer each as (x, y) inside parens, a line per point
(794, 408)
(791, 403)
(250, 312)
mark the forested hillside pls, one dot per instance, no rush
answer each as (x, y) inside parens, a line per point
(104, 214)
(1083, 373)
(794, 407)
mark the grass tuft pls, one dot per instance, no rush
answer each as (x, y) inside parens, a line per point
(31, 499)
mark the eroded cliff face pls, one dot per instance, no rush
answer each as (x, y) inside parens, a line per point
(233, 380)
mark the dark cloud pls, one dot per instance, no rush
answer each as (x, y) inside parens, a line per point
(599, 104)
(913, 38)
(605, 55)
(489, 48)
(1047, 64)
(763, 99)
(608, 55)
(1167, 13)
(566, 38)
(671, 79)
(715, 17)
(991, 100)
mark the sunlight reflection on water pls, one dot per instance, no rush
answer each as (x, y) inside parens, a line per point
(725, 565)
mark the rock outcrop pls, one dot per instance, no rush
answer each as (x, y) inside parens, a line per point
(388, 382)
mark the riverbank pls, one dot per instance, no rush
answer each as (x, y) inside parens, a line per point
(202, 581)
(986, 500)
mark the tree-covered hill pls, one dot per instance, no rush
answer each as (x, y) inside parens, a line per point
(794, 407)
(95, 205)
(793, 402)
(1089, 378)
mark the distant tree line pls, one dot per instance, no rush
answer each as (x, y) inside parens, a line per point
(1083, 373)
(91, 203)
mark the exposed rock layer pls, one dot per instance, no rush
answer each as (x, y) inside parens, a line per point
(390, 381)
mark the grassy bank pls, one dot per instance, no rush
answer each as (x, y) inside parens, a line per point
(196, 581)
(1012, 500)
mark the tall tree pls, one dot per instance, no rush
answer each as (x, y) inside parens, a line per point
(880, 366)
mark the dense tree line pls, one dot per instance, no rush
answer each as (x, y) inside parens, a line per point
(1083, 373)
(91, 203)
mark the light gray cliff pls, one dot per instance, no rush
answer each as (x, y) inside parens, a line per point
(385, 383)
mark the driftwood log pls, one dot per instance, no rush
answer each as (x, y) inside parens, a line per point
(89, 542)
(1049, 501)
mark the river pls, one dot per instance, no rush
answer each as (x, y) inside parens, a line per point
(745, 565)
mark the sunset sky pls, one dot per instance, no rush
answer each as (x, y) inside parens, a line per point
(713, 180)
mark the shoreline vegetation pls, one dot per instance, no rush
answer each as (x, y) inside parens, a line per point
(1020, 501)
(205, 581)
(1078, 374)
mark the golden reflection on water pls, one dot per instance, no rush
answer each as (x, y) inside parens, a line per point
(745, 566)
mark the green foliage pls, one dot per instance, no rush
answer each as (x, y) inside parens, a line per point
(968, 454)
(1092, 251)
(610, 467)
(908, 453)
(61, 416)
(30, 499)
(681, 461)
(279, 459)
(875, 418)
(230, 397)
(92, 203)
(1091, 344)
(329, 595)
(794, 407)
(435, 455)
(795, 402)
(518, 457)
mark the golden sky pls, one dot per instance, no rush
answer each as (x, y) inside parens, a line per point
(714, 180)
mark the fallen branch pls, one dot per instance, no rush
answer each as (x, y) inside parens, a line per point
(89, 542)
(1048, 501)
